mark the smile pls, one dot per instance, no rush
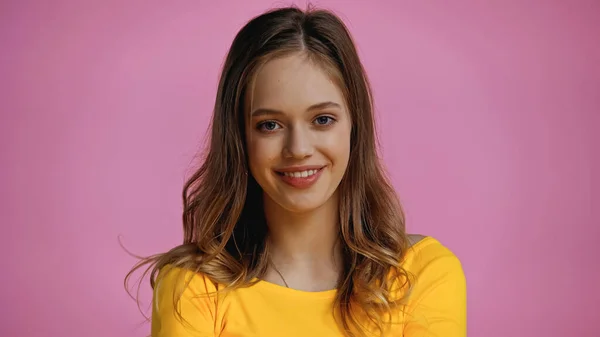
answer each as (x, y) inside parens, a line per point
(301, 174)
(301, 178)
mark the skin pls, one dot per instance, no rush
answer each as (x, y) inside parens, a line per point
(282, 130)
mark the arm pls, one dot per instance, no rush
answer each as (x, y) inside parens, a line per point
(438, 303)
(196, 306)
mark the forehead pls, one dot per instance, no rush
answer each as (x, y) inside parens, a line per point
(292, 82)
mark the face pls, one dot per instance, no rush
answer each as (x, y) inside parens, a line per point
(297, 134)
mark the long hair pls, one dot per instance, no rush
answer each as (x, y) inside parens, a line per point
(223, 219)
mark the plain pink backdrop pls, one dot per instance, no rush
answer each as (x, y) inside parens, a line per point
(488, 114)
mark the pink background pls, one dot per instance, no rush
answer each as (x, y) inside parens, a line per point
(489, 123)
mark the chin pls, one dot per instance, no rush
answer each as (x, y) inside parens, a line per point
(300, 203)
(300, 207)
(298, 200)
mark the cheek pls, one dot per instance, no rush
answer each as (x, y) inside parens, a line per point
(343, 137)
(337, 146)
(261, 153)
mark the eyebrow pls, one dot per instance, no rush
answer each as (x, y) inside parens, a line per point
(318, 106)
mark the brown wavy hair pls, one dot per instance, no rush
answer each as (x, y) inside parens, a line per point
(223, 219)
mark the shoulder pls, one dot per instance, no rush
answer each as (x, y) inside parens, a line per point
(181, 281)
(428, 258)
(415, 238)
(437, 295)
(184, 303)
(424, 248)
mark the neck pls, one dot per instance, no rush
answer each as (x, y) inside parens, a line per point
(305, 243)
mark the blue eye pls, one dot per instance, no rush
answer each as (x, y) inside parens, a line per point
(324, 120)
(268, 126)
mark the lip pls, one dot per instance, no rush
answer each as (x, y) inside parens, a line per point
(300, 168)
(300, 182)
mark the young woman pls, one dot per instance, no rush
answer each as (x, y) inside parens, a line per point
(290, 226)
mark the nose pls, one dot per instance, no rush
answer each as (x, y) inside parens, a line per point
(298, 144)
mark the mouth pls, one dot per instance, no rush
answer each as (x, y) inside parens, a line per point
(299, 174)
(300, 177)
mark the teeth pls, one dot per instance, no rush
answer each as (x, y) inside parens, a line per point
(302, 174)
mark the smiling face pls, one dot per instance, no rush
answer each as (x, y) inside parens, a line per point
(297, 133)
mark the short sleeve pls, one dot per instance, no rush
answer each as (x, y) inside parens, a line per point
(197, 305)
(437, 305)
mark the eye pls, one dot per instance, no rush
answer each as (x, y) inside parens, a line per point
(324, 120)
(268, 126)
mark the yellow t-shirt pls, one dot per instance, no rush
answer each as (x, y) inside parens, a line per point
(436, 306)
